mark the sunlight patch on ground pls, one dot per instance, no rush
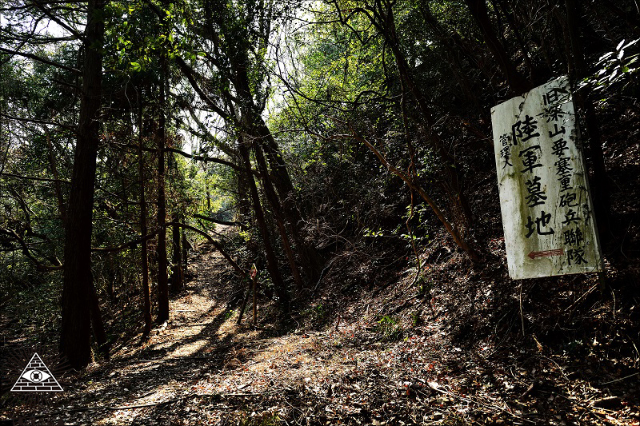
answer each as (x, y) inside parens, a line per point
(189, 349)
(145, 403)
(287, 361)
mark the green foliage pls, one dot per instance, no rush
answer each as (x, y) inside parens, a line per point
(389, 328)
(416, 318)
(264, 419)
(322, 86)
(315, 313)
(424, 287)
(615, 68)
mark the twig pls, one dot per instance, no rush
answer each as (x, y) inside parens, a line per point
(620, 379)
(557, 365)
(528, 391)
(322, 275)
(151, 404)
(437, 388)
(581, 297)
(39, 179)
(521, 312)
(169, 401)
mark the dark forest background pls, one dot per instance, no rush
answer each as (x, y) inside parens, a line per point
(346, 143)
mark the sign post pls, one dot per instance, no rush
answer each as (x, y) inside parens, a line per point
(547, 215)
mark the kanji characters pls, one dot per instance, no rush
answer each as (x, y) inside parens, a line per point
(556, 96)
(553, 113)
(505, 151)
(577, 256)
(525, 130)
(570, 199)
(573, 237)
(538, 225)
(559, 146)
(570, 217)
(536, 193)
(531, 158)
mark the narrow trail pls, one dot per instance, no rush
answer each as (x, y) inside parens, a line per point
(167, 378)
(202, 368)
(360, 368)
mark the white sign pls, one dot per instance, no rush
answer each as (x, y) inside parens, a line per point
(547, 215)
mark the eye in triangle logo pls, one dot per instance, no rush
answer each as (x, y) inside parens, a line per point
(36, 377)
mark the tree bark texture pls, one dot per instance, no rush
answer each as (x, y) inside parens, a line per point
(177, 274)
(75, 331)
(277, 212)
(272, 260)
(577, 70)
(144, 257)
(517, 83)
(163, 279)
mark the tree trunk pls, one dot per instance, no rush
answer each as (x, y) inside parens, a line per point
(517, 83)
(254, 125)
(451, 52)
(177, 274)
(277, 212)
(272, 261)
(185, 251)
(75, 333)
(99, 332)
(577, 70)
(516, 27)
(311, 260)
(385, 24)
(163, 280)
(144, 257)
(243, 210)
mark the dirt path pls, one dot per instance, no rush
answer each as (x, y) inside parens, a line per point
(362, 368)
(169, 377)
(201, 368)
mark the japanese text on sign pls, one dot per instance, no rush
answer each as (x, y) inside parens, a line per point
(546, 209)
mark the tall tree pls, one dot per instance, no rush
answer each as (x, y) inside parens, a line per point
(517, 82)
(232, 80)
(77, 283)
(144, 258)
(381, 14)
(161, 136)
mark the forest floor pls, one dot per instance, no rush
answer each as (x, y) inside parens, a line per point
(395, 356)
(465, 344)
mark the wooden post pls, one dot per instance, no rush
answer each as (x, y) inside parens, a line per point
(253, 273)
(254, 276)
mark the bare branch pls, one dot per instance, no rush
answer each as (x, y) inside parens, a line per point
(12, 175)
(411, 183)
(33, 120)
(127, 245)
(40, 59)
(27, 252)
(205, 159)
(58, 21)
(219, 222)
(216, 244)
